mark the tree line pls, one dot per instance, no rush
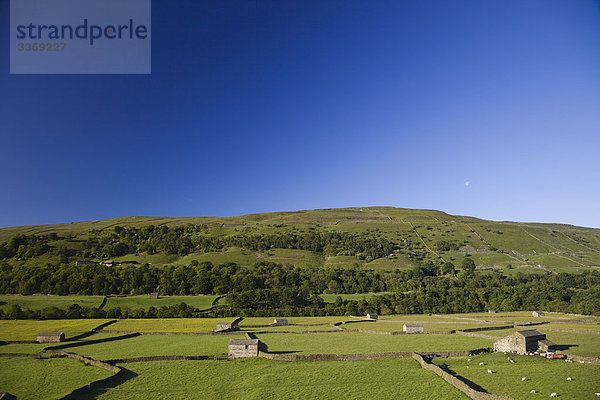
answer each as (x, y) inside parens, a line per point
(270, 289)
(188, 239)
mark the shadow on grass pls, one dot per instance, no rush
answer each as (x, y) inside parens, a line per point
(563, 347)
(68, 345)
(469, 383)
(285, 352)
(115, 381)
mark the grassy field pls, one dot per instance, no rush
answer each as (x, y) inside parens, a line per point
(157, 345)
(293, 320)
(544, 376)
(267, 379)
(331, 298)
(354, 343)
(37, 302)
(27, 348)
(28, 329)
(145, 302)
(428, 326)
(191, 325)
(33, 379)
(289, 328)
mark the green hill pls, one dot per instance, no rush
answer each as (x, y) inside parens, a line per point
(379, 238)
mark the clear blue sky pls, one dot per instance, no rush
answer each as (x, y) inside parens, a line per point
(282, 105)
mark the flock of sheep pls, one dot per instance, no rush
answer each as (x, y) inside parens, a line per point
(523, 379)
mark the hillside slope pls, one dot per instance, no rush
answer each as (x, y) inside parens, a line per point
(381, 238)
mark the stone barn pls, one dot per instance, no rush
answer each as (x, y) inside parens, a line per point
(280, 322)
(372, 316)
(50, 337)
(154, 295)
(415, 328)
(242, 348)
(223, 326)
(538, 314)
(523, 342)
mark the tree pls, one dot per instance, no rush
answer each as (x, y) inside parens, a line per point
(468, 264)
(448, 268)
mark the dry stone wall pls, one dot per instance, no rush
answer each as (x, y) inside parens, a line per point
(457, 383)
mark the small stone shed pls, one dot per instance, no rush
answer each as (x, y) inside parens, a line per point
(154, 295)
(279, 322)
(50, 337)
(492, 311)
(413, 328)
(372, 316)
(243, 348)
(538, 314)
(223, 326)
(523, 342)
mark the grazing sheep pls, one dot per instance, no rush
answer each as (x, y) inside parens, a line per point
(469, 359)
(569, 379)
(597, 394)
(490, 371)
(523, 379)
(467, 367)
(553, 394)
(508, 358)
(481, 363)
(512, 361)
(532, 391)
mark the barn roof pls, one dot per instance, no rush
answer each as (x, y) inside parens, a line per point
(50, 333)
(531, 333)
(243, 341)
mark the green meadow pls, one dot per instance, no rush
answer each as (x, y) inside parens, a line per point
(38, 302)
(28, 329)
(399, 378)
(542, 375)
(132, 302)
(45, 379)
(157, 345)
(357, 343)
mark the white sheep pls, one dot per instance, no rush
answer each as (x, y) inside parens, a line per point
(553, 394)
(481, 363)
(512, 361)
(523, 379)
(490, 371)
(467, 367)
(532, 391)
(508, 358)
(569, 379)
(469, 359)
(597, 394)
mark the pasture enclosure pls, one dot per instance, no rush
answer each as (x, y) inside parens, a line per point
(267, 379)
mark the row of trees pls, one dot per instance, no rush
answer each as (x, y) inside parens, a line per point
(275, 289)
(187, 239)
